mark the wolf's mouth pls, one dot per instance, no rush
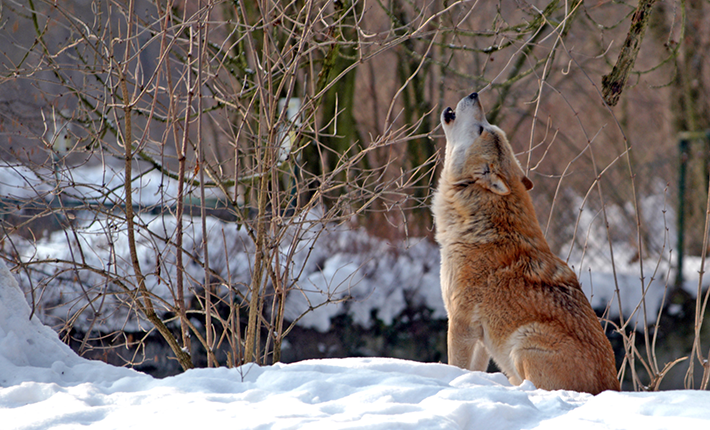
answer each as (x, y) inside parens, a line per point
(449, 115)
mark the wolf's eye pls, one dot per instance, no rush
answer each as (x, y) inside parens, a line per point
(449, 115)
(480, 130)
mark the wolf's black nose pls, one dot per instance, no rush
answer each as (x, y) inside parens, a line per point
(473, 96)
(449, 115)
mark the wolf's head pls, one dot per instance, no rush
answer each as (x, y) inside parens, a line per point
(478, 152)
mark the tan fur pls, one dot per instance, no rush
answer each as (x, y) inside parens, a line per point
(507, 295)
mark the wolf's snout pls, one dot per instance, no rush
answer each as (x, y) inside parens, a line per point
(473, 96)
(449, 115)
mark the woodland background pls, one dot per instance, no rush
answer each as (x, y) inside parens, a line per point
(178, 174)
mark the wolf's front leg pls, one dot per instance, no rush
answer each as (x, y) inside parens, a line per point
(481, 357)
(465, 347)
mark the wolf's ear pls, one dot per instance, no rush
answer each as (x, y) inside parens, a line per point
(494, 183)
(528, 183)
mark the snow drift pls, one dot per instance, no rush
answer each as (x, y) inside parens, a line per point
(43, 384)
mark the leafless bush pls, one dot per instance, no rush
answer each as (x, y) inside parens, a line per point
(225, 100)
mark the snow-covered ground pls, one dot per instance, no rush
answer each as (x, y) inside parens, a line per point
(44, 385)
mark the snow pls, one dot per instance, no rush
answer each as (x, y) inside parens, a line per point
(44, 385)
(101, 182)
(376, 277)
(624, 281)
(339, 264)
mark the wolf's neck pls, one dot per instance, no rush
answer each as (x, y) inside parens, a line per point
(519, 221)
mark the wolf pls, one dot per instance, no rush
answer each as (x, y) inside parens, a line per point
(507, 296)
